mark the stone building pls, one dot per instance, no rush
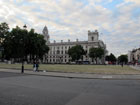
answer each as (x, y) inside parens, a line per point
(134, 56)
(58, 52)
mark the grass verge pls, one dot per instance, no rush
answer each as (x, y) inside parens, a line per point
(96, 69)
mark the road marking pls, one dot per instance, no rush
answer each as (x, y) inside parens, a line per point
(106, 76)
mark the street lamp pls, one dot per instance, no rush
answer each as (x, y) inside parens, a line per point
(22, 67)
(25, 26)
(1, 51)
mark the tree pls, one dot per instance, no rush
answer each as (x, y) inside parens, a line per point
(14, 43)
(107, 58)
(123, 59)
(95, 53)
(20, 43)
(76, 52)
(36, 46)
(41, 47)
(111, 58)
(4, 30)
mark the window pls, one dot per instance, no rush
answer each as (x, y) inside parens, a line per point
(92, 38)
(58, 52)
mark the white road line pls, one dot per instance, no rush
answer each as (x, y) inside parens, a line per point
(106, 76)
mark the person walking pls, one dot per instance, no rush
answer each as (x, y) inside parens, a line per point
(37, 66)
(122, 64)
(34, 67)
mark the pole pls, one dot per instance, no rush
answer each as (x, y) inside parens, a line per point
(22, 67)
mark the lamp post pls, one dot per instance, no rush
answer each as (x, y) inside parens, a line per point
(22, 67)
(1, 51)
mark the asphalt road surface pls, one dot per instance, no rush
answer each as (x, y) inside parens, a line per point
(18, 89)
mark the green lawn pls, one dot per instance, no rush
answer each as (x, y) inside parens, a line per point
(99, 69)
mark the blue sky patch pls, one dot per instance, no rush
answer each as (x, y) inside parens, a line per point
(111, 5)
(136, 13)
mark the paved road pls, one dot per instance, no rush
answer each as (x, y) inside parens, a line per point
(18, 89)
(76, 75)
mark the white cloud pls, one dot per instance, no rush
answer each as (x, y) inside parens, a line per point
(133, 1)
(70, 19)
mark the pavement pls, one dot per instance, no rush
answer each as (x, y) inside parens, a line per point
(78, 75)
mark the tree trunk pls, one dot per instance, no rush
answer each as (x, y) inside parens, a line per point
(96, 60)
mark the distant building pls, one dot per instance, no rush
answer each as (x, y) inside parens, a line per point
(58, 52)
(134, 56)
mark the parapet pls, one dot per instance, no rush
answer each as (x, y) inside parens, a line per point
(92, 32)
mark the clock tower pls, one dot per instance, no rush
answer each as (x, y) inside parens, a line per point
(46, 34)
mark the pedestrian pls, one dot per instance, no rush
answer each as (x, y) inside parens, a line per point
(34, 67)
(122, 64)
(37, 66)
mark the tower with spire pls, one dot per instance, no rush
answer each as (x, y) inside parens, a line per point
(46, 34)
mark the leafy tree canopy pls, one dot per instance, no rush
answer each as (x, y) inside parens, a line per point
(76, 52)
(123, 59)
(4, 30)
(20, 43)
(95, 53)
(111, 58)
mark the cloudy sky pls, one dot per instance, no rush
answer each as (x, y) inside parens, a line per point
(118, 21)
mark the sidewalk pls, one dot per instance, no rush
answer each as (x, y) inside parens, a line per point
(75, 75)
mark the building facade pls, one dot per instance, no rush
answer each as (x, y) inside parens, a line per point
(58, 52)
(134, 56)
